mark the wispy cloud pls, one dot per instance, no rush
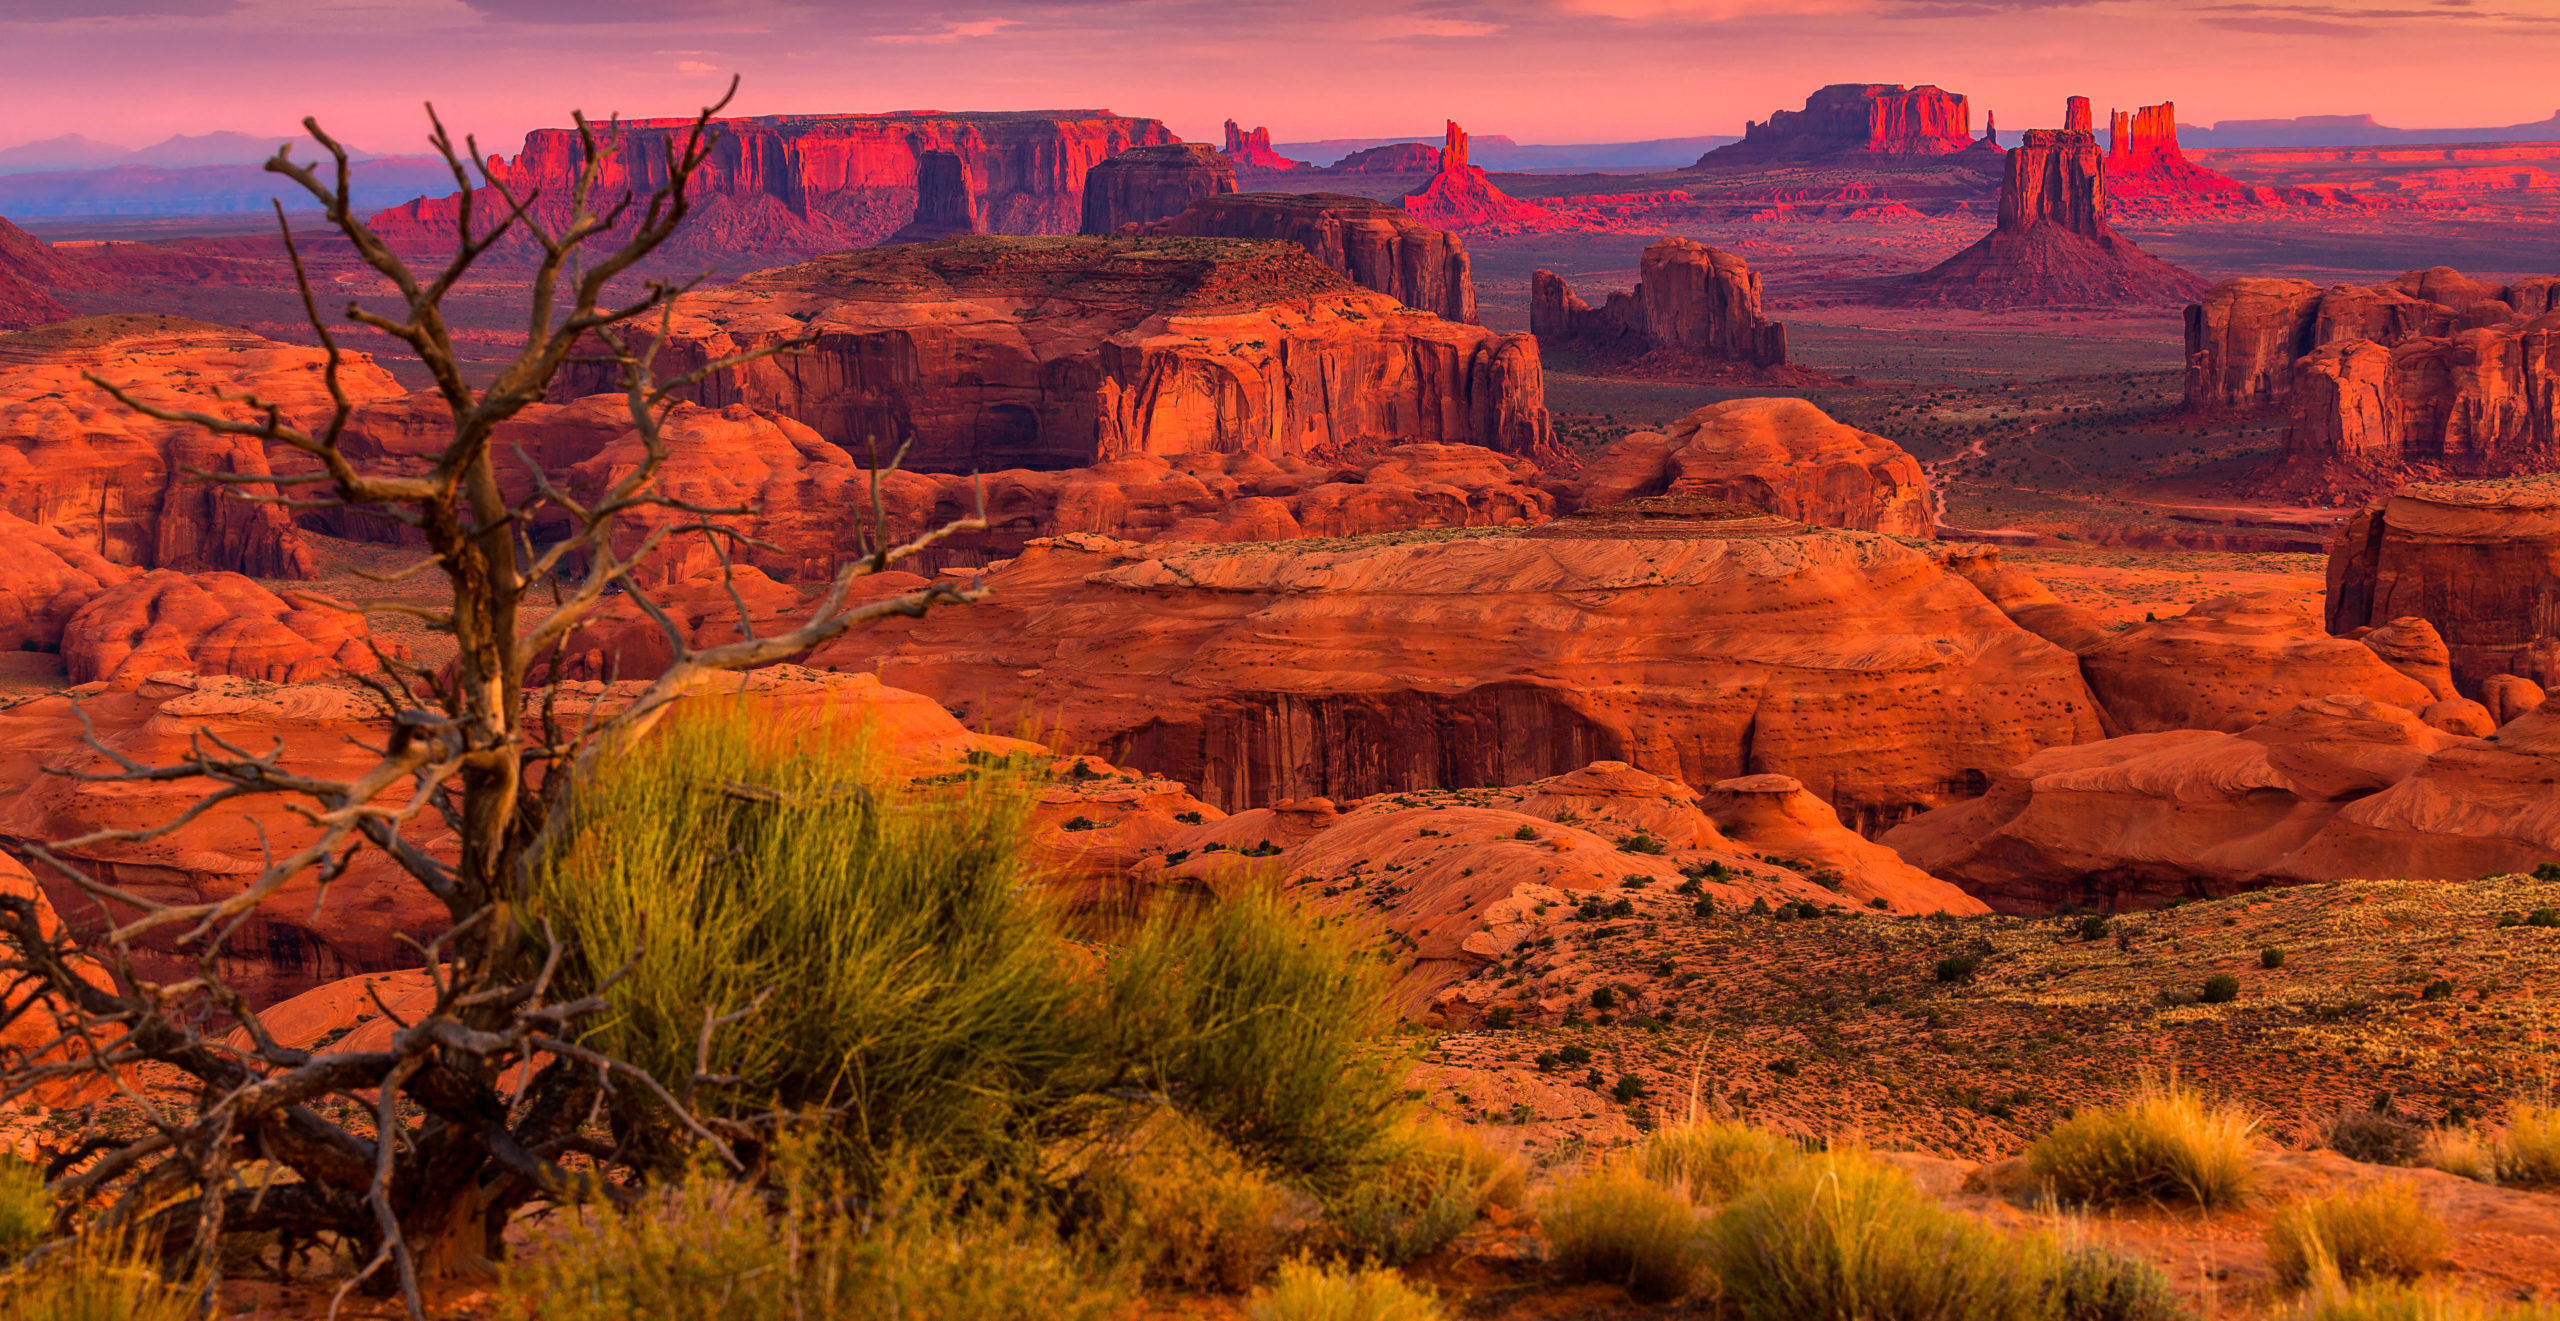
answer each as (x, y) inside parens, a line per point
(949, 32)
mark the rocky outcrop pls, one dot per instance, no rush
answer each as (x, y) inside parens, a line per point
(1852, 662)
(45, 578)
(1389, 158)
(1064, 352)
(2076, 117)
(2331, 789)
(209, 624)
(2231, 663)
(1858, 117)
(2480, 561)
(2364, 417)
(1372, 243)
(2245, 336)
(1689, 299)
(1252, 151)
(1462, 197)
(74, 460)
(805, 184)
(30, 272)
(1146, 184)
(2145, 164)
(946, 204)
(2053, 246)
(1782, 455)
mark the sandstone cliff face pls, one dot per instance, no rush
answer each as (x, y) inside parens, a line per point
(1460, 196)
(45, 578)
(1252, 151)
(2053, 246)
(946, 202)
(2244, 336)
(1849, 661)
(210, 624)
(1861, 117)
(29, 273)
(1689, 298)
(1373, 244)
(2478, 560)
(1782, 455)
(2231, 663)
(74, 460)
(817, 183)
(2334, 788)
(1057, 353)
(1146, 184)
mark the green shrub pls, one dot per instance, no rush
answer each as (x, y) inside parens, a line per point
(907, 976)
(2099, 1284)
(1603, 997)
(2093, 927)
(2439, 989)
(1265, 1024)
(2381, 1232)
(1305, 1291)
(1711, 1160)
(26, 1209)
(1842, 1235)
(2529, 1148)
(1184, 1211)
(2220, 989)
(707, 1248)
(2165, 1145)
(1615, 1226)
(2272, 957)
(1436, 1182)
(1957, 967)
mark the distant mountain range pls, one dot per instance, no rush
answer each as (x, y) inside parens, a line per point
(1495, 152)
(74, 152)
(2351, 131)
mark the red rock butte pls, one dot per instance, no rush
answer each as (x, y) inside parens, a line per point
(1252, 151)
(2144, 162)
(1689, 299)
(1372, 243)
(1461, 196)
(816, 183)
(1859, 117)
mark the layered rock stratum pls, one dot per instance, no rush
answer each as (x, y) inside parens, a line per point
(816, 183)
(1689, 299)
(1062, 352)
(2477, 560)
(1372, 243)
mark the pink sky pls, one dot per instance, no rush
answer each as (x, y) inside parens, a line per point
(135, 71)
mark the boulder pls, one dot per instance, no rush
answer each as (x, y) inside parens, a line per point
(1053, 353)
(2336, 788)
(1851, 661)
(1783, 455)
(1151, 183)
(1788, 825)
(2505, 696)
(45, 578)
(1373, 244)
(1689, 299)
(209, 624)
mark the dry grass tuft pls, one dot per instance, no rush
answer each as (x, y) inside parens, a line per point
(1616, 1226)
(1305, 1291)
(1185, 1212)
(2167, 1144)
(2529, 1148)
(1712, 1160)
(2383, 1232)
(2460, 1151)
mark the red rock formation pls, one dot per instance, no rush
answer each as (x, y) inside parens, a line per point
(1782, 455)
(1252, 151)
(2145, 164)
(817, 183)
(2245, 336)
(2478, 560)
(2053, 246)
(2363, 418)
(2334, 788)
(45, 578)
(1373, 244)
(1850, 661)
(2231, 663)
(30, 272)
(403, 434)
(209, 624)
(2076, 117)
(1146, 184)
(1055, 353)
(1391, 158)
(1689, 299)
(1461, 196)
(946, 203)
(1859, 117)
(76, 461)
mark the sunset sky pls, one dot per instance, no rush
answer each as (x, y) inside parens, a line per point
(135, 71)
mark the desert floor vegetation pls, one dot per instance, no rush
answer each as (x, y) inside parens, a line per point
(2167, 1144)
(2381, 1232)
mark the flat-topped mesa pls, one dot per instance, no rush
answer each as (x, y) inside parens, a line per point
(2479, 560)
(1047, 353)
(2145, 164)
(1374, 244)
(1689, 298)
(1461, 196)
(2053, 246)
(1860, 117)
(1252, 151)
(818, 183)
(1146, 184)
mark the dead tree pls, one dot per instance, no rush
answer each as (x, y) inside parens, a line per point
(447, 1147)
